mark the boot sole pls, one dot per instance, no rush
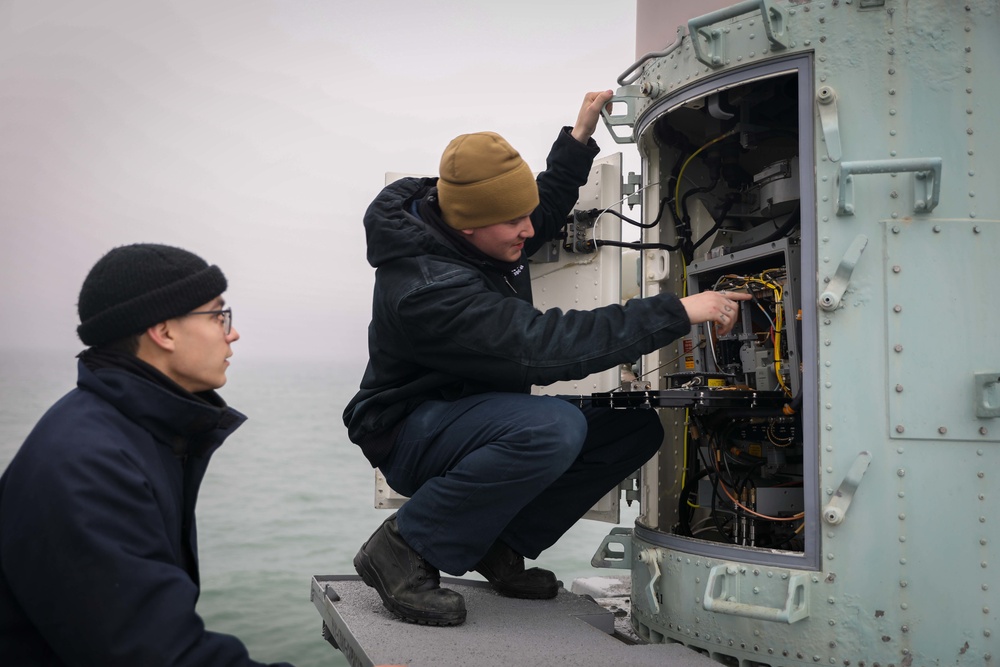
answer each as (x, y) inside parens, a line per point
(369, 575)
(526, 594)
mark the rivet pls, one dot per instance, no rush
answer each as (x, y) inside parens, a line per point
(897, 268)
(901, 473)
(982, 430)
(899, 388)
(937, 229)
(897, 308)
(898, 348)
(899, 428)
(942, 430)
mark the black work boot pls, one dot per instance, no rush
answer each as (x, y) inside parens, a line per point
(504, 568)
(409, 586)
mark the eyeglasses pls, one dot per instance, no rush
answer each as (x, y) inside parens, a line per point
(227, 317)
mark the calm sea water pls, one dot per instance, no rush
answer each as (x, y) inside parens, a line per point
(287, 497)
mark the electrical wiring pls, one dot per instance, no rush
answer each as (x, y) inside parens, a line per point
(746, 509)
(769, 279)
(680, 174)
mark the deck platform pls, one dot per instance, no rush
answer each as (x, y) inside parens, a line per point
(569, 629)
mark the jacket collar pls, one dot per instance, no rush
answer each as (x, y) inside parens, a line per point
(181, 419)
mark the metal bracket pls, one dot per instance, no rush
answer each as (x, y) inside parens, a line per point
(926, 180)
(830, 298)
(836, 509)
(631, 188)
(627, 95)
(987, 395)
(772, 16)
(616, 560)
(830, 121)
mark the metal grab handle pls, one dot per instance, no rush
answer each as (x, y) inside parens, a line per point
(627, 95)
(615, 560)
(722, 596)
(772, 16)
(926, 172)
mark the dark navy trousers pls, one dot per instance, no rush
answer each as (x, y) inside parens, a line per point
(514, 467)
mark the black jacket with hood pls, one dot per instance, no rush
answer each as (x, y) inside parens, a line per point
(98, 548)
(449, 322)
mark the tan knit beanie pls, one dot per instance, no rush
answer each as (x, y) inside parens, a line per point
(484, 181)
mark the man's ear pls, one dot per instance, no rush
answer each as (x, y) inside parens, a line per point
(162, 335)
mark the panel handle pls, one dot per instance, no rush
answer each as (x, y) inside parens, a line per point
(772, 16)
(722, 596)
(926, 180)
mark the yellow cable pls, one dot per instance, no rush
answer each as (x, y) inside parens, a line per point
(677, 187)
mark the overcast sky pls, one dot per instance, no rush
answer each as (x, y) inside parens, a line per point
(255, 133)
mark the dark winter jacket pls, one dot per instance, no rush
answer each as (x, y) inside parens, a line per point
(98, 549)
(448, 323)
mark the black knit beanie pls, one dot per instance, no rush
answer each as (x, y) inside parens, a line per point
(136, 286)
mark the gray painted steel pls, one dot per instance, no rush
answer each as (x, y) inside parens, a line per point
(567, 630)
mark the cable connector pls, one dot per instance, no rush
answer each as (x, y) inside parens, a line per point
(577, 231)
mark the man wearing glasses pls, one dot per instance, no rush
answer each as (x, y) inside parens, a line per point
(98, 551)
